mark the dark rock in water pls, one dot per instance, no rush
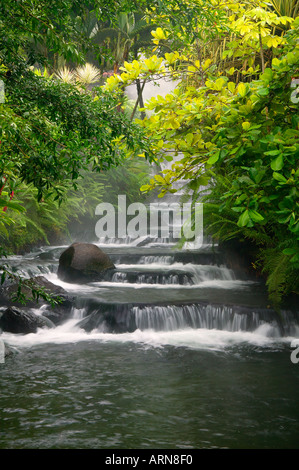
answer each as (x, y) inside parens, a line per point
(15, 320)
(47, 255)
(63, 308)
(57, 314)
(6, 351)
(239, 256)
(109, 318)
(10, 288)
(144, 241)
(83, 262)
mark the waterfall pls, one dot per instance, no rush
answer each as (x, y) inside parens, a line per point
(128, 318)
(157, 286)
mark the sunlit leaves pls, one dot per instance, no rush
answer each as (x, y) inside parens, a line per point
(246, 125)
(159, 35)
(242, 89)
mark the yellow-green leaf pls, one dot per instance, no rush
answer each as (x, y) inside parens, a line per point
(246, 125)
(242, 89)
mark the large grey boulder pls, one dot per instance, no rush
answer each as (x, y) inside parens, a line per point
(83, 262)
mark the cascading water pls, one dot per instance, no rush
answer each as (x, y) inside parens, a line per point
(172, 349)
(158, 289)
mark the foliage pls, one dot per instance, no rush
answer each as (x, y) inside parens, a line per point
(50, 222)
(54, 25)
(51, 131)
(236, 134)
(87, 74)
(131, 33)
(48, 125)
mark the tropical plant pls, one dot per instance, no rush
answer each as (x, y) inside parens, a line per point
(285, 7)
(65, 74)
(131, 32)
(49, 131)
(82, 76)
(87, 74)
(49, 221)
(240, 137)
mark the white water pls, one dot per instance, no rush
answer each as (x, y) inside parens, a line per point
(94, 286)
(156, 326)
(220, 284)
(201, 338)
(225, 334)
(200, 272)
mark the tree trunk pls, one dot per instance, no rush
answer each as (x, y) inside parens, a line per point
(140, 97)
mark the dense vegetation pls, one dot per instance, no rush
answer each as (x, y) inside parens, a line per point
(231, 125)
(232, 122)
(53, 132)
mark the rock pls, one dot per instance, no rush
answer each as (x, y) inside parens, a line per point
(109, 318)
(6, 351)
(239, 256)
(57, 314)
(10, 288)
(15, 320)
(83, 262)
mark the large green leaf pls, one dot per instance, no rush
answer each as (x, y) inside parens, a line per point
(277, 164)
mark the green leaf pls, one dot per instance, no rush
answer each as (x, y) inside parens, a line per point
(289, 251)
(263, 91)
(213, 159)
(295, 258)
(203, 180)
(246, 125)
(284, 220)
(242, 89)
(279, 177)
(267, 75)
(273, 152)
(255, 216)
(276, 62)
(160, 179)
(145, 187)
(244, 219)
(231, 86)
(277, 164)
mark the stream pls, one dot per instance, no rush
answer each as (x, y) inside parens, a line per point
(181, 353)
(175, 350)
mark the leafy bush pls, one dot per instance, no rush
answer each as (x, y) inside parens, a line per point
(49, 221)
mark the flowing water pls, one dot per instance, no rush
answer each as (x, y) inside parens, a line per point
(174, 351)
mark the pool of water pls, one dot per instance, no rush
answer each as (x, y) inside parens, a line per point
(150, 392)
(166, 383)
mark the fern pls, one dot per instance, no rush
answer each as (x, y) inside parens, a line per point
(47, 220)
(277, 267)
